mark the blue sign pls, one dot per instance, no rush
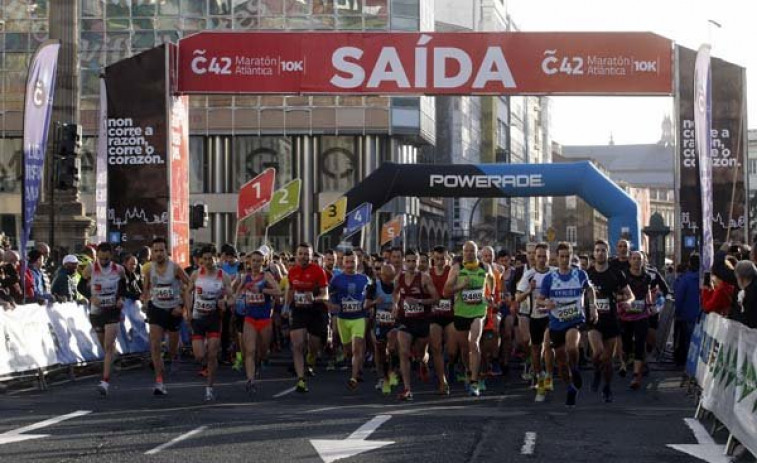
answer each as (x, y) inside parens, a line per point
(358, 218)
(115, 237)
(689, 241)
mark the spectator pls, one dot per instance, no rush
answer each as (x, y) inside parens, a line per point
(718, 296)
(35, 289)
(64, 283)
(134, 285)
(686, 310)
(11, 280)
(746, 310)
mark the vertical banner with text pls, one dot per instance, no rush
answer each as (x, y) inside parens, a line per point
(101, 179)
(139, 188)
(727, 153)
(38, 105)
(702, 128)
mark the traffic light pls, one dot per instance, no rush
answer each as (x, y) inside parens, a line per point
(198, 216)
(67, 159)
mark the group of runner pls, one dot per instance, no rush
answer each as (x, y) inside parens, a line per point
(464, 315)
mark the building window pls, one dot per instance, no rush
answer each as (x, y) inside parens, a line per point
(571, 203)
(752, 166)
(571, 234)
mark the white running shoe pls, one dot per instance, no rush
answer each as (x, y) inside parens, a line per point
(159, 389)
(103, 388)
(209, 396)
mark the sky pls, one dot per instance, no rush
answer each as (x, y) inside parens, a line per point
(592, 120)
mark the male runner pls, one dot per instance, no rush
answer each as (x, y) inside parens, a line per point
(414, 294)
(307, 285)
(521, 320)
(469, 283)
(529, 289)
(379, 300)
(162, 299)
(611, 288)
(442, 330)
(562, 294)
(258, 288)
(348, 291)
(106, 283)
(206, 293)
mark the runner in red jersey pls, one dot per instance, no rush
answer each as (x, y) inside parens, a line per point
(441, 330)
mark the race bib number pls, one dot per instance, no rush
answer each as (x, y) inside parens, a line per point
(444, 306)
(205, 305)
(254, 298)
(473, 296)
(351, 306)
(384, 317)
(568, 312)
(413, 309)
(603, 305)
(637, 307)
(303, 299)
(107, 301)
(163, 293)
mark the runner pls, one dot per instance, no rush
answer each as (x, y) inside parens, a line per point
(105, 282)
(379, 300)
(205, 294)
(258, 288)
(529, 289)
(517, 325)
(612, 288)
(507, 305)
(348, 291)
(468, 283)
(232, 266)
(562, 294)
(162, 298)
(442, 330)
(307, 285)
(414, 294)
(635, 316)
(423, 262)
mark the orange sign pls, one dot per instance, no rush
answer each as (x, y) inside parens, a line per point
(391, 230)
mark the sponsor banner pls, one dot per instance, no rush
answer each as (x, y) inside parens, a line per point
(391, 230)
(285, 201)
(38, 105)
(36, 336)
(137, 131)
(358, 218)
(101, 180)
(727, 154)
(702, 128)
(727, 374)
(692, 360)
(434, 63)
(255, 194)
(179, 173)
(333, 215)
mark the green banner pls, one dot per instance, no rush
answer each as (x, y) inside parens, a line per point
(284, 202)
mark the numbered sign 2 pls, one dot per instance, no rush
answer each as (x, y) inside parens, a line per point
(256, 193)
(285, 201)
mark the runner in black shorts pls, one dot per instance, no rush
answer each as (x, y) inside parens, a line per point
(442, 330)
(379, 301)
(611, 287)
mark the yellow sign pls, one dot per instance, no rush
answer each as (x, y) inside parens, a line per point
(333, 215)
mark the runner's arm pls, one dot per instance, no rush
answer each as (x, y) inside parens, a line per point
(188, 293)
(272, 288)
(449, 286)
(430, 290)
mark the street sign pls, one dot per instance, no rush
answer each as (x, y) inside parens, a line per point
(391, 230)
(256, 193)
(358, 218)
(551, 234)
(285, 201)
(333, 215)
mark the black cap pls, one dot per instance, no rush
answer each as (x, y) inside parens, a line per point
(229, 250)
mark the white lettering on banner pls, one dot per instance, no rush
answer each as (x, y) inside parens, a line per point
(351, 73)
(487, 181)
(720, 147)
(129, 145)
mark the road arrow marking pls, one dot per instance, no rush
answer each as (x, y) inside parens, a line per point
(706, 449)
(176, 440)
(16, 435)
(332, 450)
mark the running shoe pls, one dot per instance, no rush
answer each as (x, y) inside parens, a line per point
(570, 400)
(541, 392)
(379, 384)
(607, 394)
(159, 389)
(443, 388)
(386, 387)
(302, 386)
(474, 389)
(352, 384)
(238, 362)
(636, 383)
(423, 372)
(549, 384)
(405, 396)
(250, 388)
(394, 380)
(103, 387)
(209, 395)
(622, 371)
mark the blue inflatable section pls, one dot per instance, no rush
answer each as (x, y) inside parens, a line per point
(580, 179)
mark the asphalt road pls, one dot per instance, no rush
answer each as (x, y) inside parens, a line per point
(503, 425)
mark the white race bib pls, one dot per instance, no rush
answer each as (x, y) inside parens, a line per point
(637, 307)
(472, 296)
(163, 293)
(205, 305)
(444, 306)
(351, 306)
(107, 301)
(568, 312)
(603, 305)
(254, 298)
(303, 299)
(413, 309)
(384, 317)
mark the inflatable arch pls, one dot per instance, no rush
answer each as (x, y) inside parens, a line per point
(582, 179)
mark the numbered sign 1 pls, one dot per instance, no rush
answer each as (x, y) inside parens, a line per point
(285, 201)
(256, 193)
(358, 218)
(333, 215)
(391, 230)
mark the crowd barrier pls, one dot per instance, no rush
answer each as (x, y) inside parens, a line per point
(36, 336)
(723, 359)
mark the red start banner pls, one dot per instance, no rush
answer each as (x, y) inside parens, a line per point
(581, 63)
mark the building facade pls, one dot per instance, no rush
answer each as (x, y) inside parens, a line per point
(331, 142)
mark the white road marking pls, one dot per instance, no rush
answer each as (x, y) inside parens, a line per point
(16, 435)
(706, 449)
(331, 450)
(176, 440)
(284, 392)
(529, 442)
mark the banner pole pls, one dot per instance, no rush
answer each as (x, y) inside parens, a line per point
(265, 235)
